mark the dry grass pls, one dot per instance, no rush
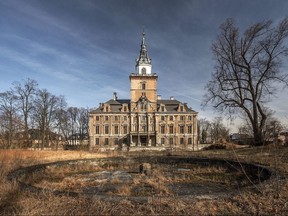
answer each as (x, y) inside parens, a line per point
(271, 200)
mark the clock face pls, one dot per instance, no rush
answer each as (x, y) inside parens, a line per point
(143, 70)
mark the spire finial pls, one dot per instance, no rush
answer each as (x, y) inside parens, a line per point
(143, 36)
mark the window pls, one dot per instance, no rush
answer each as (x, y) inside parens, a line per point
(181, 141)
(189, 140)
(162, 118)
(125, 129)
(116, 118)
(171, 118)
(182, 118)
(106, 109)
(106, 129)
(189, 118)
(97, 118)
(171, 129)
(181, 129)
(124, 118)
(143, 70)
(144, 128)
(116, 129)
(106, 141)
(97, 129)
(181, 109)
(162, 129)
(162, 141)
(143, 86)
(171, 141)
(106, 118)
(125, 109)
(162, 108)
(116, 141)
(97, 141)
(190, 129)
(143, 118)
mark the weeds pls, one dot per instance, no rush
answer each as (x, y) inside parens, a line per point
(14, 201)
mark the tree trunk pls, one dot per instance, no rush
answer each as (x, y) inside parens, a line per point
(258, 135)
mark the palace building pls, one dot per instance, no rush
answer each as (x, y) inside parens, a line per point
(145, 120)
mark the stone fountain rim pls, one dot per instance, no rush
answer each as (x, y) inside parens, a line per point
(15, 174)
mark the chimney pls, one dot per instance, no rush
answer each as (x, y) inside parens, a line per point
(159, 97)
(172, 98)
(115, 96)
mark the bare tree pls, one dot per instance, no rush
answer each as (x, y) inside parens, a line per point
(25, 93)
(46, 107)
(218, 131)
(204, 126)
(84, 123)
(246, 71)
(79, 123)
(8, 116)
(62, 120)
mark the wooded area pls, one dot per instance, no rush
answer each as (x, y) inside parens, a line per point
(34, 117)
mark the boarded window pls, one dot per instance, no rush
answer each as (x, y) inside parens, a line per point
(106, 141)
(97, 129)
(171, 129)
(106, 129)
(190, 129)
(162, 129)
(182, 129)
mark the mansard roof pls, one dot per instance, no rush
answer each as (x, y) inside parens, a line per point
(116, 105)
(118, 101)
(172, 105)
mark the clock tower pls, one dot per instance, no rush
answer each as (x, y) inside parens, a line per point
(143, 83)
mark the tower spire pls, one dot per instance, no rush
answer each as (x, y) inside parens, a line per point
(143, 61)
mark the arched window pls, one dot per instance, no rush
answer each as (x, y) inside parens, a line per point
(143, 70)
(143, 86)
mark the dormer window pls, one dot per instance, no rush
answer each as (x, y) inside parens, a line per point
(107, 109)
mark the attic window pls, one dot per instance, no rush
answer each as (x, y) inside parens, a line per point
(181, 109)
(106, 109)
(162, 108)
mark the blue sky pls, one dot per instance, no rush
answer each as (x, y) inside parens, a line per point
(86, 49)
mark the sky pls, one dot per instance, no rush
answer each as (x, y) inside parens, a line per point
(86, 49)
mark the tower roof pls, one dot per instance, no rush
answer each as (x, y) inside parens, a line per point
(143, 58)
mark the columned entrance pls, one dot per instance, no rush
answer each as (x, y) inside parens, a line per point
(142, 139)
